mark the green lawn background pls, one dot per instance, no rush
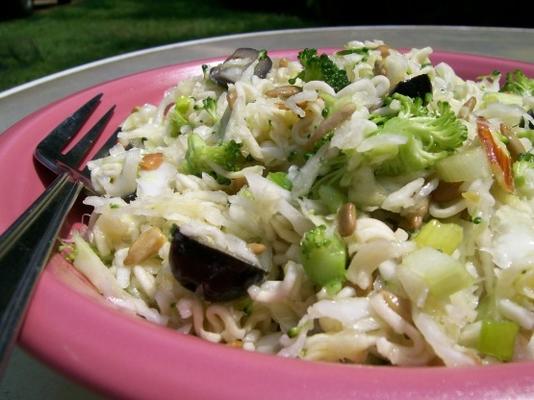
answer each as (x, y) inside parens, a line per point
(60, 37)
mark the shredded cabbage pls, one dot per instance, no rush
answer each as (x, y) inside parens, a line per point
(388, 226)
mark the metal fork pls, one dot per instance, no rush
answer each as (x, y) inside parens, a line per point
(28, 242)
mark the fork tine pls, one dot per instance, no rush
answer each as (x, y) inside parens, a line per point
(63, 133)
(112, 141)
(75, 155)
(103, 151)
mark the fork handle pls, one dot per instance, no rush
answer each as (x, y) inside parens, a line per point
(24, 250)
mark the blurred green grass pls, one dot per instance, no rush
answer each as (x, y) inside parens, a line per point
(56, 38)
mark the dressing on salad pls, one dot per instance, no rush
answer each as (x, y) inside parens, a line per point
(365, 206)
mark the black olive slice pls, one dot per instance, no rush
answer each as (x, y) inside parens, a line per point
(418, 86)
(130, 197)
(220, 276)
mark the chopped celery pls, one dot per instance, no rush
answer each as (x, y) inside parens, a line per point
(497, 339)
(441, 274)
(440, 236)
(506, 98)
(465, 166)
(281, 179)
(331, 197)
(486, 308)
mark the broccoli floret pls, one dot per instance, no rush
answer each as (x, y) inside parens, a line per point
(330, 188)
(321, 68)
(332, 103)
(281, 179)
(210, 105)
(179, 114)
(200, 157)
(404, 107)
(431, 136)
(517, 82)
(323, 256)
(523, 170)
(334, 172)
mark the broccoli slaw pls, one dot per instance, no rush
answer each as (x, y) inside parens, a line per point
(379, 208)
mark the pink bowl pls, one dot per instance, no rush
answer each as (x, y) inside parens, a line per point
(70, 327)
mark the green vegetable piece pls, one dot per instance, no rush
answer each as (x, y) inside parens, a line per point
(438, 272)
(293, 332)
(281, 179)
(493, 75)
(523, 170)
(499, 97)
(200, 157)
(431, 136)
(262, 54)
(464, 166)
(335, 168)
(363, 51)
(332, 103)
(331, 197)
(321, 142)
(440, 236)
(68, 250)
(210, 105)
(179, 114)
(323, 256)
(333, 287)
(527, 133)
(321, 68)
(517, 82)
(487, 309)
(497, 339)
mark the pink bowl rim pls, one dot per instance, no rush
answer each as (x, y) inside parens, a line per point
(115, 357)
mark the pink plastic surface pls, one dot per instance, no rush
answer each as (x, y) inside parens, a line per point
(71, 328)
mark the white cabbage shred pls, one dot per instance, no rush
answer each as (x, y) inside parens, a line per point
(284, 182)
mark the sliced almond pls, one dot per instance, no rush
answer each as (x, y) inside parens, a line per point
(236, 344)
(147, 245)
(257, 248)
(498, 157)
(151, 161)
